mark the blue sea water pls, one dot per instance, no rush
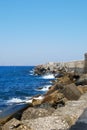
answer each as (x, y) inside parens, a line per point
(18, 84)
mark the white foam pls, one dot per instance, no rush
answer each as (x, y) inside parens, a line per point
(50, 76)
(40, 97)
(29, 101)
(15, 100)
(31, 72)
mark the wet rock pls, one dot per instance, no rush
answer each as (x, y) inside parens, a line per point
(13, 111)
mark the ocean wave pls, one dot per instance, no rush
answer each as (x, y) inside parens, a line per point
(30, 100)
(15, 100)
(45, 88)
(39, 97)
(31, 72)
(50, 76)
(18, 100)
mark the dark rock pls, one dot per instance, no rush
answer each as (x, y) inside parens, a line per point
(13, 111)
(82, 80)
(71, 92)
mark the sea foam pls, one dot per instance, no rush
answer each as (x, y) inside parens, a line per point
(15, 100)
(50, 76)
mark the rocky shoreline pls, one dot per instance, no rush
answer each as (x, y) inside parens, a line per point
(60, 107)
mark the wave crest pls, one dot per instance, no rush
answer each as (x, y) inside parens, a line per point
(50, 76)
(15, 100)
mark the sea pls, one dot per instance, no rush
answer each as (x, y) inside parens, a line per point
(18, 84)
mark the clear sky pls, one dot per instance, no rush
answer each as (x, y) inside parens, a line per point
(39, 31)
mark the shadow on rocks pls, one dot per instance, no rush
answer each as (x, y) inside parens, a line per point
(81, 123)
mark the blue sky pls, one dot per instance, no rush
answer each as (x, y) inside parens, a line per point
(39, 31)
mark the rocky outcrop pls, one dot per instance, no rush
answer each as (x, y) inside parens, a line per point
(50, 68)
(59, 68)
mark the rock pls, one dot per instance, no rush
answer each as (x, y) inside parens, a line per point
(55, 99)
(39, 70)
(36, 102)
(47, 123)
(13, 111)
(81, 123)
(65, 80)
(83, 89)
(71, 92)
(59, 68)
(15, 125)
(50, 68)
(72, 110)
(33, 113)
(60, 82)
(82, 80)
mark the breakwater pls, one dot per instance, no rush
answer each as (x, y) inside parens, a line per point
(63, 103)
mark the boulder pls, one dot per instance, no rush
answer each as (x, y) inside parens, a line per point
(13, 111)
(55, 99)
(50, 68)
(71, 92)
(33, 113)
(15, 125)
(36, 102)
(82, 80)
(83, 89)
(62, 81)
